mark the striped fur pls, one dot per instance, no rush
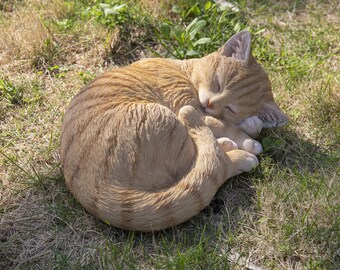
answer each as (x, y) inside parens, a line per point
(138, 146)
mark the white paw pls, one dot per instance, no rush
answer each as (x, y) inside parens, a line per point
(248, 163)
(226, 144)
(251, 163)
(252, 146)
(252, 126)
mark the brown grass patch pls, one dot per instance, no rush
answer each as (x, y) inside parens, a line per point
(23, 31)
(30, 38)
(155, 7)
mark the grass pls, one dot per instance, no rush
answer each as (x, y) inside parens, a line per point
(284, 215)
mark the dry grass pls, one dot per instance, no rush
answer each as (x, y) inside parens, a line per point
(29, 135)
(157, 8)
(282, 216)
(30, 37)
(23, 30)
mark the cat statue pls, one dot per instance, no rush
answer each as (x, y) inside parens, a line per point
(145, 147)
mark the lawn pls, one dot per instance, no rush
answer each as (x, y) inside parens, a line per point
(283, 215)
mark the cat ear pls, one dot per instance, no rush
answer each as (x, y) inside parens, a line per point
(272, 115)
(239, 47)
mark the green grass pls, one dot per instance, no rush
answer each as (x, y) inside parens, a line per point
(194, 33)
(284, 215)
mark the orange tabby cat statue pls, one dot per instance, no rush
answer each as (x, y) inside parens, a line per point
(145, 147)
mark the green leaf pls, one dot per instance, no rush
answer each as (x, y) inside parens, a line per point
(177, 34)
(176, 9)
(202, 41)
(10, 93)
(192, 53)
(114, 9)
(194, 27)
(103, 5)
(194, 11)
(207, 5)
(237, 27)
(165, 30)
(191, 24)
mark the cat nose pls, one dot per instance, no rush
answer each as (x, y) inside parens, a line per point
(203, 98)
(206, 105)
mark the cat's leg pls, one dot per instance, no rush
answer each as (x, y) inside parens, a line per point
(224, 142)
(235, 133)
(236, 161)
(252, 126)
(240, 161)
(227, 144)
(243, 141)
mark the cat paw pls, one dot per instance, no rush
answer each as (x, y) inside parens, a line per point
(252, 146)
(252, 126)
(249, 163)
(226, 144)
(189, 117)
(242, 161)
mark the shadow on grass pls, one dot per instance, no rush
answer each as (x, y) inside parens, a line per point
(47, 227)
(288, 150)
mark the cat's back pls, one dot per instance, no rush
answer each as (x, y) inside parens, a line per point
(152, 80)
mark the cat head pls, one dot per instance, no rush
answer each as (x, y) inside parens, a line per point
(233, 86)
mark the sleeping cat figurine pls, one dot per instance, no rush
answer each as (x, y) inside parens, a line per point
(145, 147)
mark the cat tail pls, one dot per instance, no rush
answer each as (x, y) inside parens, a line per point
(141, 210)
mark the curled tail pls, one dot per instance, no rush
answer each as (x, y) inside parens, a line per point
(155, 210)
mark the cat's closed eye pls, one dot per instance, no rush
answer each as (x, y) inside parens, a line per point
(217, 85)
(230, 109)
